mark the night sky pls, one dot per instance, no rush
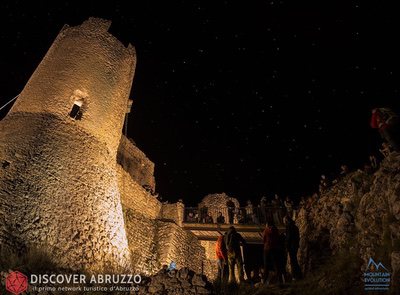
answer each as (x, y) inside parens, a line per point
(250, 98)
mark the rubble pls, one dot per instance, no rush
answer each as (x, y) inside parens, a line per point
(171, 282)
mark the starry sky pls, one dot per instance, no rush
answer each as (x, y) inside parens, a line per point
(250, 98)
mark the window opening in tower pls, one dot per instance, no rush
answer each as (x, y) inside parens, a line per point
(76, 112)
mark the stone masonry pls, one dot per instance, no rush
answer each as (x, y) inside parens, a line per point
(70, 184)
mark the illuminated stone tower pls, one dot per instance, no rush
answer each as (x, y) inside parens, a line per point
(58, 146)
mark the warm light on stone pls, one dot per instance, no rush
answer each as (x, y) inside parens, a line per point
(74, 186)
(61, 187)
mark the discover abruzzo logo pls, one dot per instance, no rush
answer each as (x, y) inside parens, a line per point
(17, 282)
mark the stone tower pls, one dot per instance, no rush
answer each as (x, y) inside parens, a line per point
(58, 146)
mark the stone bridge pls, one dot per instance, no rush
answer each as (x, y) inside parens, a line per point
(249, 223)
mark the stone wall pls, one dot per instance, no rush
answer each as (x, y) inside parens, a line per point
(135, 162)
(59, 193)
(217, 203)
(135, 197)
(210, 262)
(154, 235)
(180, 246)
(173, 212)
(142, 233)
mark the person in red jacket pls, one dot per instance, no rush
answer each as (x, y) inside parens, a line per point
(387, 122)
(220, 251)
(272, 251)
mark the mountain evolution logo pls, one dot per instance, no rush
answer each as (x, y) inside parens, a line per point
(376, 277)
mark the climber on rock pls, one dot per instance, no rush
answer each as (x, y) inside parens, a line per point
(387, 122)
(233, 241)
(292, 246)
(272, 257)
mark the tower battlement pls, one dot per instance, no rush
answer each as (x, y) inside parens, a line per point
(84, 79)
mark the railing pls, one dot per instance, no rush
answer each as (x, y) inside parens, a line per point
(240, 215)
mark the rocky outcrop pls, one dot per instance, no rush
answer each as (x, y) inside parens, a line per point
(360, 214)
(175, 282)
(378, 217)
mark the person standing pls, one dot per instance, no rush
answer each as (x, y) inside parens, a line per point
(231, 210)
(222, 258)
(208, 218)
(289, 206)
(220, 218)
(250, 212)
(271, 251)
(263, 209)
(277, 209)
(233, 241)
(292, 246)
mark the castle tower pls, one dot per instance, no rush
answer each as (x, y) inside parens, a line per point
(58, 146)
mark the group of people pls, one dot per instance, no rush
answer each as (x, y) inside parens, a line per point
(274, 209)
(230, 247)
(193, 217)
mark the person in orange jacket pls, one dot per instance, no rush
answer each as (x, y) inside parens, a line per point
(221, 253)
(387, 122)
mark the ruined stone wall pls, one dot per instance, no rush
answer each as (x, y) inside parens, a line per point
(135, 197)
(180, 246)
(210, 262)
(154, 235)
(141, 210)
(174, 212)
(135, 162)
(142, 235)
(217, 203)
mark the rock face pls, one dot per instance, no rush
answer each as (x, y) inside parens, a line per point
(176, 282)
(360, 213)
